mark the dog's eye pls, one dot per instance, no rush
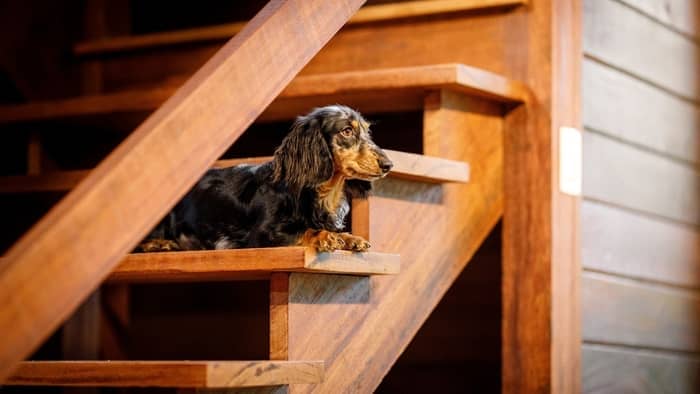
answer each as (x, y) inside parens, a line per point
(346, 132)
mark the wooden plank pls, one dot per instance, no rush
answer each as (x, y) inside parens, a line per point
(57, 181)
(406, 166)
(362, 89)
(630, 313)
(625, 243)
(51, 269)
(682, 15)
(612, 370)
(631, 110)
(368, 14)
(233, 264)
(614, 33)
(196, 374)
(351, 323)
(628, 177)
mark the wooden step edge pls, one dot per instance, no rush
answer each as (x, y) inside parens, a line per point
(176, 374)
(411, 82)
(369, 14)
(409, 166)
(247, 264)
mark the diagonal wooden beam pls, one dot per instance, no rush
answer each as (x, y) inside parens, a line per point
(71, 250)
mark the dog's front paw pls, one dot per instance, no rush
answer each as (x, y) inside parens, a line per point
(330, 242)
(355, 243)
(158, 245)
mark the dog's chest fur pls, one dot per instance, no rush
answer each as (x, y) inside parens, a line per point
(331, 198)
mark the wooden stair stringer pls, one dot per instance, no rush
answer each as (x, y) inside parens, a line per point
(360, 326)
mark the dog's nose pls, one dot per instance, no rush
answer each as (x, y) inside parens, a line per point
(386, 165)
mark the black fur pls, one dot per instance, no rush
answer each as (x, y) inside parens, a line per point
(272, 204)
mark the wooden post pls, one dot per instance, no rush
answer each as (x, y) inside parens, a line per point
(541, 267)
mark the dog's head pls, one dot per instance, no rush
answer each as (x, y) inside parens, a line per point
(329, 141)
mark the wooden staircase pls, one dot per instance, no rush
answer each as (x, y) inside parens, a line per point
(337, 321)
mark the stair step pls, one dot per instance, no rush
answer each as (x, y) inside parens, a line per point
(247, 264)
(176, 374)
(378, 90)
(369, 14)
(406, 166)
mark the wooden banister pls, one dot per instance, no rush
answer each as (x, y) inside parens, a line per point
(65, 256)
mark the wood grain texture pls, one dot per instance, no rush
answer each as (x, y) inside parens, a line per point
(368, 14)
(613, 370)
(347, 321)
(85, 236)
(626, 312)
(625, 176)
(361, 89)
(204, 374)
(233, 264)
(406, 166)
(637, 246)
(631, 110)
(613, 33)
(682, 15)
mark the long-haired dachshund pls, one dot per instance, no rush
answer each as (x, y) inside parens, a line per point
(298, 198)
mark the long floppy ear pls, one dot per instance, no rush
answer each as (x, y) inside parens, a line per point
(357, 188)
(303, 159)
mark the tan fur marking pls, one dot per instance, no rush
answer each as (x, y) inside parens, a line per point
(331, 192)
(355, 124)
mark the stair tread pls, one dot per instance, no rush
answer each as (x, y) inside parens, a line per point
(368, 14)
(406, 166)
(237, 264)
(191, 374)
(389, 89)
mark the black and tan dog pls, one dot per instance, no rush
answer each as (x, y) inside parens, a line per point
(298, 198)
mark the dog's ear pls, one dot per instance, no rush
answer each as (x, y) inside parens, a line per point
(356, 188)
(303, 159)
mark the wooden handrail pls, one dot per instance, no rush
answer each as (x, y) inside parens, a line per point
(65, 256)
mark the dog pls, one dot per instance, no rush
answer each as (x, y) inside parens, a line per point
(300, 197)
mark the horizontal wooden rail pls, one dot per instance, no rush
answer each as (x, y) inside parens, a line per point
(246, 264)
(389, 89)
(406, 166)
(176, 374)
(369, 14)
(66, 255)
